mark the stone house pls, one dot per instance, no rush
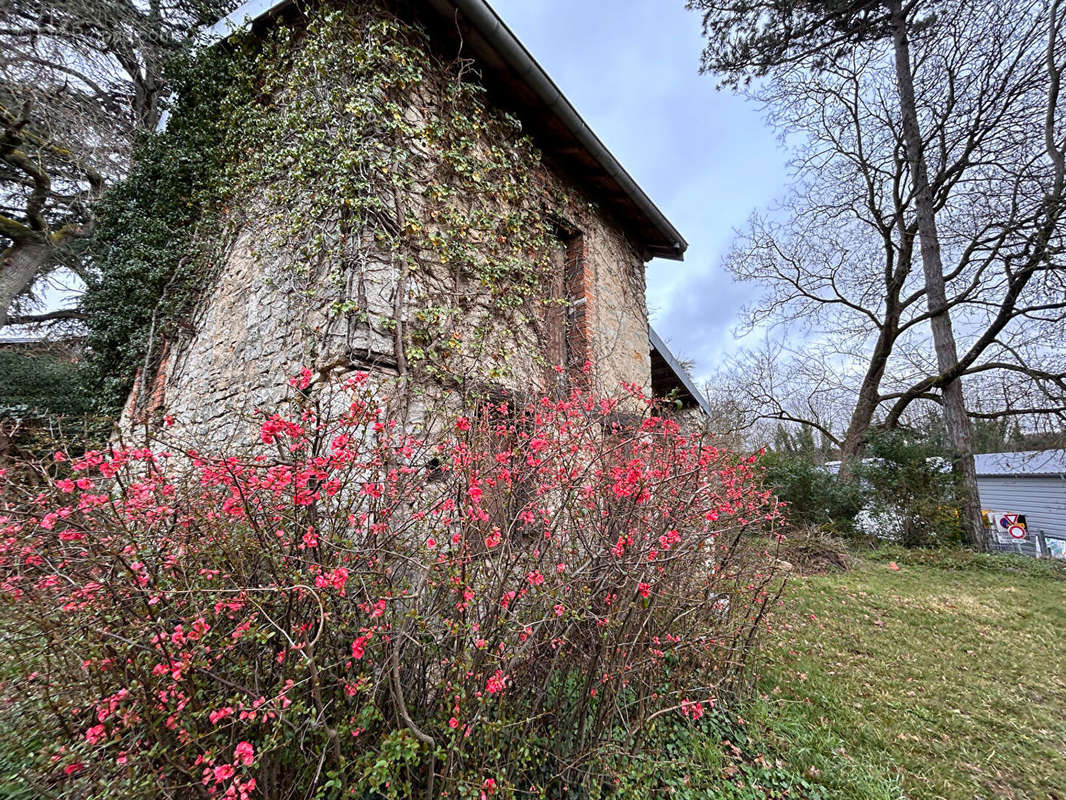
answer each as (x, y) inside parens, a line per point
(359, 306)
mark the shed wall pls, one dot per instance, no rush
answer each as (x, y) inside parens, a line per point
(1042, 500)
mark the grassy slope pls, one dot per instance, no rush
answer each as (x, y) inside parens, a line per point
(944, 679)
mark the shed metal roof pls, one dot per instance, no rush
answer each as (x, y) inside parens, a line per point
(668, 373)
(1024, 463)
(519, 83)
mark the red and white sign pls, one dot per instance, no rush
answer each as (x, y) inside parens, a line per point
(1012, 525)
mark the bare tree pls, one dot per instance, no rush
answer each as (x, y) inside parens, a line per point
(930, 126)
(78, 78)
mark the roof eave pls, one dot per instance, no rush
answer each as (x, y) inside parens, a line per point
(682, 374)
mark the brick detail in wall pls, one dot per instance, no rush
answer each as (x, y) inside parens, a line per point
(139, 410)
(577, 288)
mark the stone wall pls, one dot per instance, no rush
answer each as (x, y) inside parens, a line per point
(260, 323)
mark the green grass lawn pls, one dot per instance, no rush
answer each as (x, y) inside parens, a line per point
(945, 678)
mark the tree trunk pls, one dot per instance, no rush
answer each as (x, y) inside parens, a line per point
(22, 263)
(956, 418)
(866, 403)
(870, 390)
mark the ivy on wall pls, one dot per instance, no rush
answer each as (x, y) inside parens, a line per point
(145, 257)
(345, 142)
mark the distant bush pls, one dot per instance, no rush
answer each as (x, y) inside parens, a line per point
(498, 604)
(45, 403)
(42, 384)
(813, 494)
(911, 489)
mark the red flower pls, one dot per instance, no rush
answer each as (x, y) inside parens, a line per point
(496, 683)
(692, 709)
(359, 647)
(244, 753)
(95, 734)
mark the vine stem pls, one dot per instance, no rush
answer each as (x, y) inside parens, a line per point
(401, 707)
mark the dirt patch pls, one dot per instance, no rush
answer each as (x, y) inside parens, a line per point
(813, 552)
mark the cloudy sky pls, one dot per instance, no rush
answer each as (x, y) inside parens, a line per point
(706, 158)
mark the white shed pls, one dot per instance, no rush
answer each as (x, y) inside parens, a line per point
(1031, 484)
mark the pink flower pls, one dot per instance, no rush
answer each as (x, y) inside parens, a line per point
(644, 589)
(220, 714)
(535, 578)
(303, 380)
(244, 753)
(95, 734)
(359, 647)
(338, 578)
(431, 542)
(453, 723)
(496, 683)
(70, 769)
(462, 424)
(223, 772)
(372, 489)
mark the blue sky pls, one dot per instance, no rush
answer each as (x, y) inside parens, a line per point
(706, 158)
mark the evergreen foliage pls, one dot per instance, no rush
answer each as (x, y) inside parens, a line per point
(40, 384)
(911, 487)
(144, 269)
(814, 495)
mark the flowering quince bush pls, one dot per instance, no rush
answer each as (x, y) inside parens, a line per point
(496, 602)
